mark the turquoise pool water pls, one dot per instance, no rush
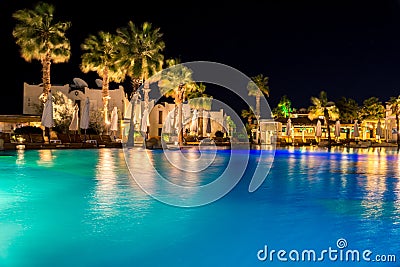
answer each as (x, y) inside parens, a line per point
(83, 208)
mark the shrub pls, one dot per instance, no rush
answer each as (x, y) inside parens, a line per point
(28, 130)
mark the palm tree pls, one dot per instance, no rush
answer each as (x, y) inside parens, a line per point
(284, 108)
(394, 103)
(348, 109)
(199, 100)
(176, 82)
(41, 38)
(257, 87)
(141, 49)
(372, 109)
(249, 116)
(323, 107)
(100, 54)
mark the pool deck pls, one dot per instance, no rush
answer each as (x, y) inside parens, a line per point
(94, 144)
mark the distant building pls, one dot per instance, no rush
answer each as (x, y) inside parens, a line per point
(159, 114)
(8, 123)
(157, 117)
(77, 95)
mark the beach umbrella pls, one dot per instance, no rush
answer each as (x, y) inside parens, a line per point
(85, 117)
(169, 122)
(47, 115)
(356, 132)
(114, 119)
(128, 111)
(208, 125)
(378, 129)
(74, 125)
(289, 127)
(318, 130)
(224, 124)
(337, 129)
(194, 124)
(145, 121)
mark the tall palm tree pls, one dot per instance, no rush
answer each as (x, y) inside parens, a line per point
(372, 108)
(323, 107)
(41, 38)
(257, 87)
(176, 82)
(284, 108)
(248, 114)
(348, 109)
(394, 103)
(141, 49)
(100, 54)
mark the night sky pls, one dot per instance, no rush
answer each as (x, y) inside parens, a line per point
(347, 48)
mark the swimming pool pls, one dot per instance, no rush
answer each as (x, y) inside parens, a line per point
(83, 208)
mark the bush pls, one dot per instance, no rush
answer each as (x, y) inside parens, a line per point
(28, 130)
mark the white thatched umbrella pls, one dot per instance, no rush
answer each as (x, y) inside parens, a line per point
(47, 115)
(74, 125)
(169, 122)
(194, 123)
(85, 119)
(356, 132)
(337, 129)
(114, 121)
(288, 127)
(145, 121)
(208, 123)
(378, 130)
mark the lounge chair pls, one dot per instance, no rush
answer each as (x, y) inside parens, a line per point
(96, 139)
(36, 141)
(64, 138)
(6, 144)
(109, 142)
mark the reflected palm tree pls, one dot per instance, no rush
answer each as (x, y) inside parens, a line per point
(106, 191)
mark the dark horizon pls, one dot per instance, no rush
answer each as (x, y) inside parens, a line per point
(346, 48)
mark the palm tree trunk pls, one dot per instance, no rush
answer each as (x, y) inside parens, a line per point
(106, 97)
(131, 135)
(398, 128)
(200, 130)
(180, 94)
(258, 97)
(329, 133)
(46, 63)
(180, 128)
(258, 115)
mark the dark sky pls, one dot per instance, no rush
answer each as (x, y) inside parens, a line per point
(347, 48)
